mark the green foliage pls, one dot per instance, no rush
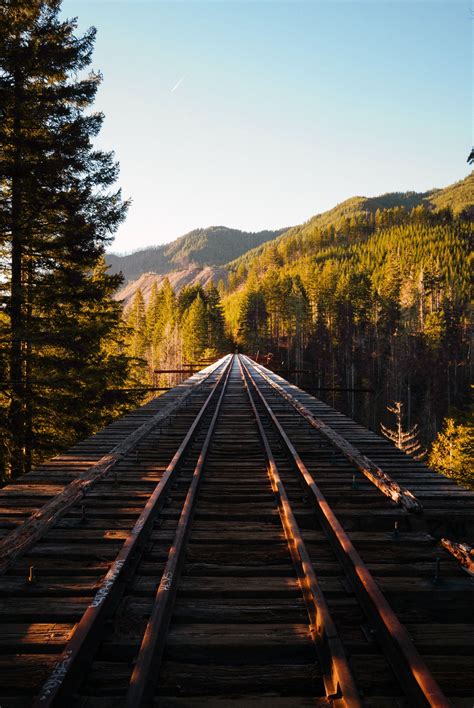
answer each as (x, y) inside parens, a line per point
(58, 210)
(194, 329)
(380, 299)
(359, 216)
(138, 324)
(253, 320)
(458, 197)
(170, 331)
(452, 452)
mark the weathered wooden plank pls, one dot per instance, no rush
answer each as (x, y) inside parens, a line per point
(443, 638)
(249, 610)
(463, 553)
(46, 587)
(31, 530)
(31, 637)
(244, 701)
(381, 479)
(223, 643)
(209, 679)
(238, 587)
(23, 673)
(44, 609)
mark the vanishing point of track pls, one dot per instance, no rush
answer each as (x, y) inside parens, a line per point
(234, 546)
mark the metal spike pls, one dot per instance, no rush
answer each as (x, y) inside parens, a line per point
(395, 530)
(31, 574)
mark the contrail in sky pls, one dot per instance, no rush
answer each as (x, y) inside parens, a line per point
(177, 84)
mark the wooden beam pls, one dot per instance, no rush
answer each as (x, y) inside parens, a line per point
(462, 552)
(23, 537)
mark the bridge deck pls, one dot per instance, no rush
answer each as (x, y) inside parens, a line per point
(235, 542)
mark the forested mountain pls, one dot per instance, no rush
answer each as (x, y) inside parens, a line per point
(458, 197)
(215, 245)
(373, 294)
(218, 245)
(376, 300)
(371, 298)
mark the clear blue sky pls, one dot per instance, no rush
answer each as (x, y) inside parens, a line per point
(260, 114)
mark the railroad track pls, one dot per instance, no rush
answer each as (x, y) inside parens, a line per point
(237, 547)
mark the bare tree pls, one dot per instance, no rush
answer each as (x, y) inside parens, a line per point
(405, 440)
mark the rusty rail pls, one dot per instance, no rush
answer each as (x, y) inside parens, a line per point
(409, 667)
(148, 661)
(85, 635)
(326, 659)
(338, 679)
(382, 480)
(24, 536)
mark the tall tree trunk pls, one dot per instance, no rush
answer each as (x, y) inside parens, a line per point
(17, 403)
(28, 447)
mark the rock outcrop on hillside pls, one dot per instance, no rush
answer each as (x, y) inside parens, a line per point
(193, 275)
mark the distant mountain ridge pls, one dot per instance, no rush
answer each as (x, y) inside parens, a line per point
(213, 246)
(458, 197)
(206, 255)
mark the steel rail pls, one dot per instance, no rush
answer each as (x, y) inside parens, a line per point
(369, 469)
(147, 665)
(409, 667)
(338, 680)
(32, 529)
(86, 636)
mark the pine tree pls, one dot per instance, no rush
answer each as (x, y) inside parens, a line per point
(252, 322)
(452, 452)
(169, 313)
(56, 217)
(216, 322)
(136, 322)
(195, 330)
(187, 296)
(152, 314)
(405, 440)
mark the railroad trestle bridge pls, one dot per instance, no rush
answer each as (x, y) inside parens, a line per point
(236, 542)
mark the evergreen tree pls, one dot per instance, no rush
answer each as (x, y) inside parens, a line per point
(187, 296)
(136, 321)
(252, 324)
(216, 338)
(169, 304)
(152, 315)
(56, 216)
(195, 330)
(452, 452)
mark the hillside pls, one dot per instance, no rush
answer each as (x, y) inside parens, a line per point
(193, 275)
(213, 246)
(458, 196)
(372, 297)
(204, 254)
